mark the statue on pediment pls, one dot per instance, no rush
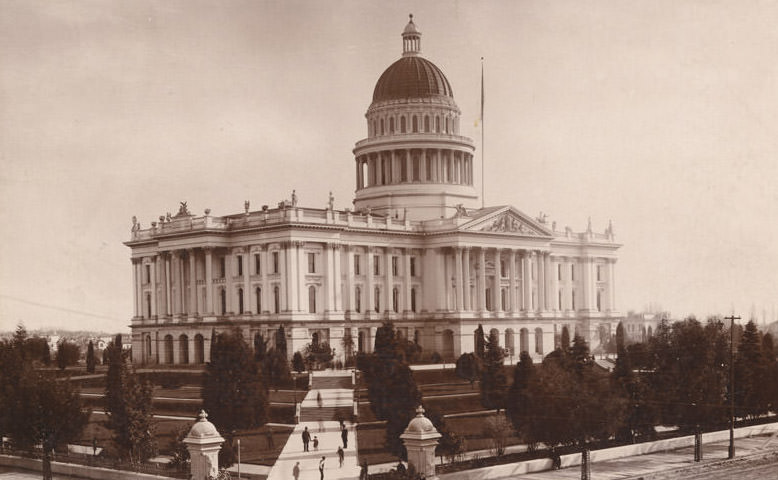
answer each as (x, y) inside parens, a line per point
(461, 211)
(183, 211)
(542, 217)
(135, 224)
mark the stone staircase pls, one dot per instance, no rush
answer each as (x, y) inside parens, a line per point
(328, 382)
(326, 414)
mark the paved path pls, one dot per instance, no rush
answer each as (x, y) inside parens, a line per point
(322, 424)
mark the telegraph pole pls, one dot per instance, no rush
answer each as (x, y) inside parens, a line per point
(732, 319)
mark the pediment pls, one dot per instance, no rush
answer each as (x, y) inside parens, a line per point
(507, 220)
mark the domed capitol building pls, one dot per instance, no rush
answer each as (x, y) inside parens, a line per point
(418, 249)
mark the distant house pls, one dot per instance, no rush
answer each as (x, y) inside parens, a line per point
(639, 327)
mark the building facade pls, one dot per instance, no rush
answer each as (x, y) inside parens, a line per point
(417, 250)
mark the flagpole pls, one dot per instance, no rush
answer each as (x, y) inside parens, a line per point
(483, 178)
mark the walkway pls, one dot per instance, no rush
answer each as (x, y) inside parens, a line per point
(336, 389)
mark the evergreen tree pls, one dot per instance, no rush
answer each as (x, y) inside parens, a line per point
(518, 402)
(68, 354)
(128, 404)
(298, 364)
(493, 380)
(479, 341)
(90, 357)
(565, 341)
(468, 367)
(260, 348)
(751, 396)
(281, 340)
(233, 392)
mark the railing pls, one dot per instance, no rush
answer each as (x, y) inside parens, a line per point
(399, 137)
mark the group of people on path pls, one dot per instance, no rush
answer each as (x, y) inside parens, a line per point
(341, 451)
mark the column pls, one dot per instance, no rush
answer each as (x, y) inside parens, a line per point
(328, 300)
(481, 280)
(553, 294)
(512, 285)
(192, 283)
(408, 165)
(441, 281)
(526, 266)
(264, 262)
(423, 166)
(547, 275)
(388, 282)
(540, 282)
(154, 267)
(168, 287)
(229, 290)
(466, 274)
(301, 269)
(459, 279)
(136, 283)
(612, 283)
(407, 281)
(370, 304)
(247, 295)
(288, 278)
(359, 179)
(337, 280)
(350, 277)
(209, 280)
(497, 291)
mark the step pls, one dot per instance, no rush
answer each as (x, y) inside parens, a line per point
(321, 383)
(325, 414)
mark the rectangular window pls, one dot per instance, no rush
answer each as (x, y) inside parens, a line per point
(599, 273)
(239, 258)
(376, 265)
(311, 263)
(559, 272)
(222, 267)
(257, 264)
(572, 272)
(148, 273)
(503, 273)
(356, 265)
(394, 266)
(275, 262)
(413, 266)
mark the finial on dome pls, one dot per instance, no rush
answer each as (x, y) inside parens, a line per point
(419, 411)
(411, 39)
(202, 416)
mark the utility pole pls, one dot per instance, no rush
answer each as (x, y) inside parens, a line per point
(732, 319)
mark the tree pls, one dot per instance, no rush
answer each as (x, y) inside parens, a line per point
(298, 364)
(518, 403)
(450, 445)
(91, 360)
(493, 380)
(37, 350)
(468, 367)
(565, 341)
(275, 369)
(68, 354)
(281, 340)
(233, 392)
(317, 354)
(260, 348)
(479, 341)
(751, 395)
(640, 417)
(128, 404)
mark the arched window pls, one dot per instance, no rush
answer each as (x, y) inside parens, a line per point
(148, 345)
(358, 299)
(437, 124)
(426, 123)
(524, 340)
(395, 300)
(446, 127)
(415, 124)
(377, 299)
(391, 125)
(315, 339)
(417, 336)
(183, 349)
(169, 349)
(199, 346)
(509, 341)
(258, 294)
(361, 342)
(382, 126)
(539, 341)
(413, 300)
(276, 300)
(223, 299)
(402, 124)
(240, 300)
(311, 299)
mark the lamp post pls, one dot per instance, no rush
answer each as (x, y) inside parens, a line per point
(732, 319)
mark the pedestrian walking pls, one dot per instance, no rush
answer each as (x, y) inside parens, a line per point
(269, 438)
(321, 468)
(315, 443)
(306, 439)
(296, 471)
(341, 454)
(321, 425)
(344, 436)
(319, 401)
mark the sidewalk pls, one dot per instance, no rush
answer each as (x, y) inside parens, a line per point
(321, 425)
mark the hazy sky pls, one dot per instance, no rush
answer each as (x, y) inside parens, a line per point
(659, 115)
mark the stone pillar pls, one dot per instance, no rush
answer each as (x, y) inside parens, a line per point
(329, 298)
(203, 443)
(247, 294)
(350, 277)
(370, 297)
(336, 280)
(228, 288)
(497, 293)
(302, 267)
(388, 282)
(547, 275)
(265, 288)
(459, 279)
(154, 266)
(612, 284)
(209, 280)
(192, 283)
(554, 293)
(137, 272)
(466, 275)
(289, 275)
(180, 280)
(441, 282)
(420, 439)
(526, 261)
(407, 280)
(512, 285)
(481, 280)
(168, 288)
(540, 281)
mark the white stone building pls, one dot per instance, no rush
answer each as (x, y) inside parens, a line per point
(416, 250)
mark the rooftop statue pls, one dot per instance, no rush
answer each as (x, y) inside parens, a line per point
(183, 211)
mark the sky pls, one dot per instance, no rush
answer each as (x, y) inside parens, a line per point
(661, 116)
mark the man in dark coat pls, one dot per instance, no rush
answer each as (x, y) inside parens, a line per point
(306, 439)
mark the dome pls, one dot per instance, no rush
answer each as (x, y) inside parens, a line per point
(420, 423)
(203, 428)
(411, 77)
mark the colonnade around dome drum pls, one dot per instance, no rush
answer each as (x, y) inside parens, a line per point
(414, 165)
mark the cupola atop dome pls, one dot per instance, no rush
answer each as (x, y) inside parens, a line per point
(411, 39)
